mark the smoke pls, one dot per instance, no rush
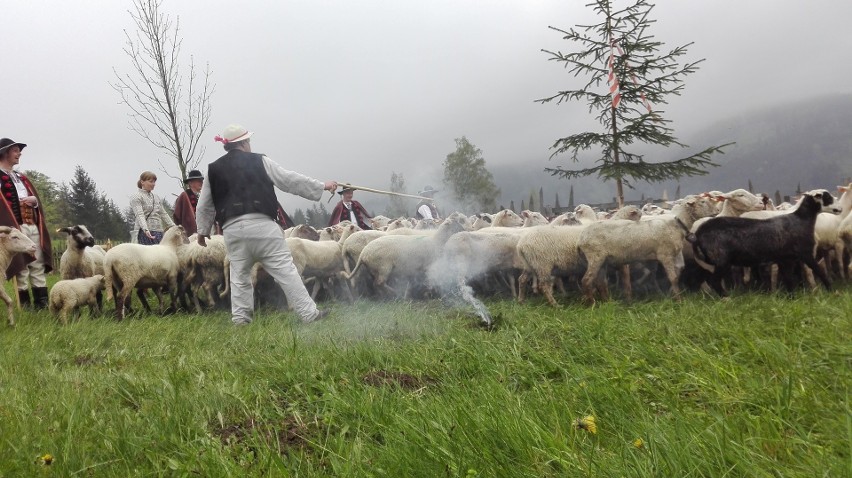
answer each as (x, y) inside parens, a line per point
(465, 257)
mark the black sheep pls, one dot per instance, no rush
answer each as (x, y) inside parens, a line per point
(787, 239)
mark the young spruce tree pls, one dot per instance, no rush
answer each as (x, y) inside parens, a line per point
(645, 77)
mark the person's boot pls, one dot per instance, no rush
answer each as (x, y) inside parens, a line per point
(40, 299)
(24, 297)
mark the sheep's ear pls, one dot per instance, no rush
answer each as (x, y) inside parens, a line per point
(525, 214)
(66, 230)
(842, 189)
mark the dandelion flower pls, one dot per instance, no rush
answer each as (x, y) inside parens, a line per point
(587, 423)
(638, 443)
(46, 459)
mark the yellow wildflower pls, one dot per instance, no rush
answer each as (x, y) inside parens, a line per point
(639, 443)
(46, 459)
(587, 423)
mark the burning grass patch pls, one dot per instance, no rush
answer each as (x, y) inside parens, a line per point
(284, 435)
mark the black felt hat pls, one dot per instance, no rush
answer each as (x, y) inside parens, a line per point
(7, 143)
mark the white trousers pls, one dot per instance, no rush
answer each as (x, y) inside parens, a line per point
(33, 274)
(260, 240)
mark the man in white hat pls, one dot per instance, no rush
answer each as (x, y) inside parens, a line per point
(239, 194)
(426, 208)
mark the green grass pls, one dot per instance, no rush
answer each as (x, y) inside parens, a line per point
(756, 386)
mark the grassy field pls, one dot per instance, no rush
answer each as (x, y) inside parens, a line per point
(755, 386)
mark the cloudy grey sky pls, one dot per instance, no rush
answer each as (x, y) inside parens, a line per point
(352, 90)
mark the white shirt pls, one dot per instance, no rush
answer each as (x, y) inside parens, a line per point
(352, 218)
(425, 211)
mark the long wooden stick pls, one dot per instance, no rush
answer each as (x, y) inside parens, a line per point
(15, 288)
(377, 191)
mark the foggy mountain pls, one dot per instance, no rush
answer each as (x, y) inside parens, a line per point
(807, 143)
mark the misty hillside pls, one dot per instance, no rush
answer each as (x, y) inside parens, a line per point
(806, 143)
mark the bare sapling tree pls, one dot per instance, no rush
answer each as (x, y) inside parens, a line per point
(627, 75)
(167, 109)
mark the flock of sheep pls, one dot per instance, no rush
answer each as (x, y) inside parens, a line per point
(721, 239)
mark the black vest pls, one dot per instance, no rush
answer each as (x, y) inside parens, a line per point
(240, 185)
(432, 209)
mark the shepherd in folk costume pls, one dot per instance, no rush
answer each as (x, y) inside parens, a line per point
(21, 210)
(187, 202)
(239, 194)
(349, 210)
(426, 208)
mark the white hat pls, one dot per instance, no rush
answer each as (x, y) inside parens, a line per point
(233, 133)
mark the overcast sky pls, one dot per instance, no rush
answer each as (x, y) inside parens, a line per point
(352, 90)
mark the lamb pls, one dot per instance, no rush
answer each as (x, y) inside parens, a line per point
(319, 260)
(134, 265)
(738, 241)
(82, 258)
(405, 257)
(12, 241)
(621, 242)
(71, 294)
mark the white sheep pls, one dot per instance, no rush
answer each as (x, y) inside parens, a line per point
(82, 258)
(621, 242)
(406, 257)
(12, 242)
(550, 249)
(129, 266)
(379, 222)
(72, 294)
(203, 268)
(533, 218)
(319, 260)
(829, 232)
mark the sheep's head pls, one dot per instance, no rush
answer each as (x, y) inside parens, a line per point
(100, 282)
(825, 200)
(304, 231)
(175, 236)
(14, 241)
(630, 212)
(532, 218)
(508, 218)
(79, 236)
